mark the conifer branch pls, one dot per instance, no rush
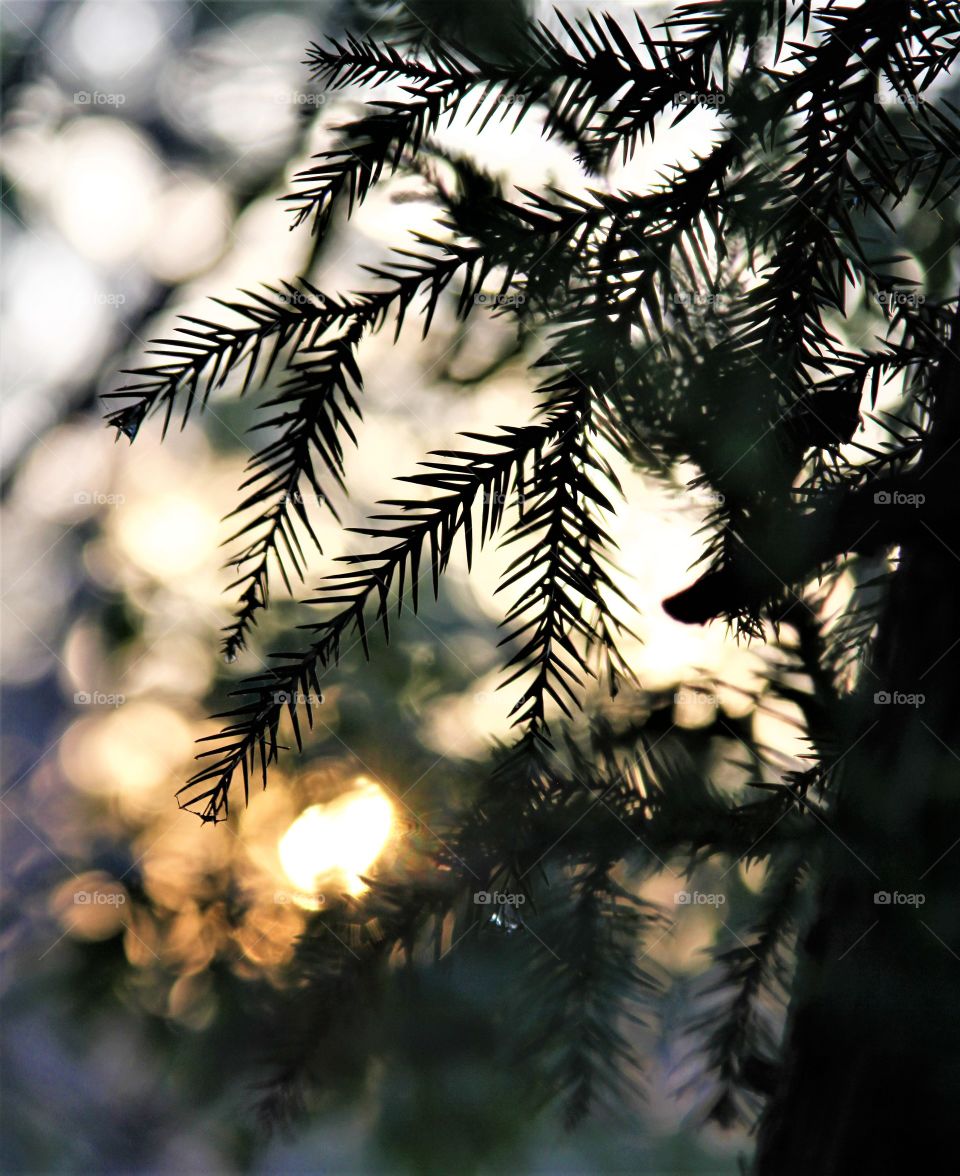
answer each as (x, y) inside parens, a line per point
(210, 354)
(422, 531)
(696, 320)
(752, 979)
(311, 416)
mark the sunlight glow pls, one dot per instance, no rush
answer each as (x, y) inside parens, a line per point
(170, 533)
(337, 842)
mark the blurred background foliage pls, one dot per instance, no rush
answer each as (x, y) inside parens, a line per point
(145, 145)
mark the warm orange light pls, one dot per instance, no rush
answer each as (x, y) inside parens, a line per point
(336, 842)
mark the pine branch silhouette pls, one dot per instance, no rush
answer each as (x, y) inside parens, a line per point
(714, 319)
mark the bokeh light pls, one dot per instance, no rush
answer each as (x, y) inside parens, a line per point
(125, 214)
(337, 842)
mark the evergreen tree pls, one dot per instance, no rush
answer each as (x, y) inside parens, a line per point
(742, 314)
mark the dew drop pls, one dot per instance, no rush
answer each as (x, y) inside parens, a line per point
(506, 919)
